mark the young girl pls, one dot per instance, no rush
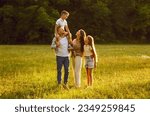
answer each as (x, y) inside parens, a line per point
(90, 58)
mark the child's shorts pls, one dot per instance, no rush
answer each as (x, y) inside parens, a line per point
(89, 62)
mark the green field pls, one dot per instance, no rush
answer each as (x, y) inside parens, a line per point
(29, 71)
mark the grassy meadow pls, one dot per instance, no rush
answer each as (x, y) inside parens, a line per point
(29, 71)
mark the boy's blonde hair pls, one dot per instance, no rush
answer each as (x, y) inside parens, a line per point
(64, 12)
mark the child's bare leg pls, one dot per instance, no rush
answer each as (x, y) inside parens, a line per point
(88, 78)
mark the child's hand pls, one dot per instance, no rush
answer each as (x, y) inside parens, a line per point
(57, 44)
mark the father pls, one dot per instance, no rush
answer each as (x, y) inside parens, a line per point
(62, 58)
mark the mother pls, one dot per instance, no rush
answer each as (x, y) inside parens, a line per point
(78, 46)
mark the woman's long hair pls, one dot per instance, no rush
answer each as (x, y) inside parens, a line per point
(91, 43)
(82, 37)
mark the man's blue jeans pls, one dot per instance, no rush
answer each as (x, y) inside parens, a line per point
(62, 61)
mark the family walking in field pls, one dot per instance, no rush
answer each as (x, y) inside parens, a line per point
(80, 47)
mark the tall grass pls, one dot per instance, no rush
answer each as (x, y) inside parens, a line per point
(29, 71)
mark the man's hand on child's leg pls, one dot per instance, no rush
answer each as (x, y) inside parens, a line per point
(66, 33)
(57, 43)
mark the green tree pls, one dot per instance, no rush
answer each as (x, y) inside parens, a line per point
(7, 24)
(33, 21)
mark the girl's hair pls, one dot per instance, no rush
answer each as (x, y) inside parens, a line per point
(91, 43)
(82, 37)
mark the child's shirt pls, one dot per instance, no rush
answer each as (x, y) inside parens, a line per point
(87, 50)
(62, 23)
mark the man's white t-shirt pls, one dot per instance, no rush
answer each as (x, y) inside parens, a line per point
(62, 23)
(62, 50)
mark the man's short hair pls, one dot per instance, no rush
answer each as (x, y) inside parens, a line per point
(64, 12)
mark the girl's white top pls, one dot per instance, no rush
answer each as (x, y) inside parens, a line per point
(87, 50)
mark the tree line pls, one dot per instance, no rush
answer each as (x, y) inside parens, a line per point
(108, 21)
